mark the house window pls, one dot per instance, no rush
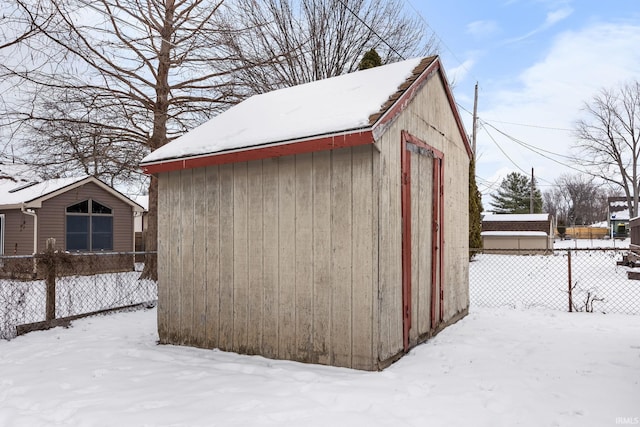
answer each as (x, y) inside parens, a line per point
(89, 227)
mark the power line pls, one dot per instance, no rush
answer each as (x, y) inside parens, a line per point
(460, 105)
(537, 150)
(371, 29)
(531, 126)
(524, 145)
(441, 40)
(529, 146)
(503, 152)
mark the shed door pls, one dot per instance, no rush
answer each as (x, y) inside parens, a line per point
(422, 213)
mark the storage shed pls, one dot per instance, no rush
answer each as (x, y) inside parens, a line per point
(517, 232)
(324, 223)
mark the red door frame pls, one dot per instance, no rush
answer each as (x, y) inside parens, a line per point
(437, 238)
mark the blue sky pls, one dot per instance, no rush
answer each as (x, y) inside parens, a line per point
(536, 63)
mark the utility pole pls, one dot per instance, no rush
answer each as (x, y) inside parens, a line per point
(531, 193)
(475, 121)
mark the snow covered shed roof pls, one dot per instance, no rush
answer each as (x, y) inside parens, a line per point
(342, 111)
(513, 234)
(31, 193)
(516, 217)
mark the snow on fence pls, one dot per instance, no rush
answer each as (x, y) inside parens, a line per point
(41, 288)
(587, 280)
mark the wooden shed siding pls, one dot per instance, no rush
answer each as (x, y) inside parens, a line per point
(304, 255)
(199, 258)
(18, 233)
(428, 117)
(421, 217)
(390, 238)
(255, 255)
(322, 291)
(164, 248)
(294, 277)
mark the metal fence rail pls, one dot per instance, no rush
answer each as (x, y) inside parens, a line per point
(568, 279)
(82, 284)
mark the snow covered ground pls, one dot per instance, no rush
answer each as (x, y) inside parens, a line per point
(526, 281)
(591, 243)
(496, 367)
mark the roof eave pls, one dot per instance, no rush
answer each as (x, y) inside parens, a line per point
(28, 205)
(350, 138)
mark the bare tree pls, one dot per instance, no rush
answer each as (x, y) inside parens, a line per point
(322, 38)
(102, 83)
(62, 144)
(133, 73)
(554, 203)
(18, 23)
(577, 199)
(609, 139)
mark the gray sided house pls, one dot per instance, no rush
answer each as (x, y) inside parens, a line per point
(517, 232)
(83, 215)
(324, 223)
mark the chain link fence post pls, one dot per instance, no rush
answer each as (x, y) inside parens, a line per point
(570, 285)
(50, 279)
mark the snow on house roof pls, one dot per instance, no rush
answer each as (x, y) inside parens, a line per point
(620, 215)
(618, 203)
(516, 217)
(14, 195)
(330, 106)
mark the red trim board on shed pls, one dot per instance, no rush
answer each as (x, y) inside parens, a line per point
(330, 142)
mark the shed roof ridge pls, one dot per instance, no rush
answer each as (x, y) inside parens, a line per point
(402, 88)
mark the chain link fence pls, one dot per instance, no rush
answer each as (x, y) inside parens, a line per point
(587, 280)
(60, 285)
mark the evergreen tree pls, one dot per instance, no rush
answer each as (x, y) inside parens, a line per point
(475, 210)
(369, 60)
(513, 196)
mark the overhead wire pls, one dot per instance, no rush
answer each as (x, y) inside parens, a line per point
(530, 125)
(440, 39)
(371, 29)
(503, 152)
(537, 150)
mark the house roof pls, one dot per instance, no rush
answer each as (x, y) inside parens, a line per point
(622, 215)
(516, 217)
(339, 111)
(16, 193)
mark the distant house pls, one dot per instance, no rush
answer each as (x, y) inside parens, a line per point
(323, 223)
(140, 222)
(517, 231)
(83, 214)
(618, 217)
